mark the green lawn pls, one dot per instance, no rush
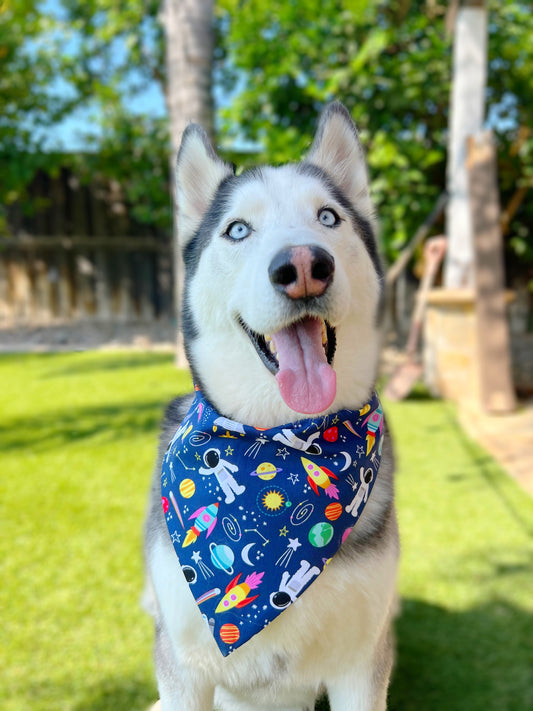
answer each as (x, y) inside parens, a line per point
(78, 438)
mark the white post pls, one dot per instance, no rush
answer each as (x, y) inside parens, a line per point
(467, 114)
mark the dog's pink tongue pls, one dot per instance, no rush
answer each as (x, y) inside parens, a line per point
(307, 382)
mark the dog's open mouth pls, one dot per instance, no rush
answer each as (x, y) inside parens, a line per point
(300, 357)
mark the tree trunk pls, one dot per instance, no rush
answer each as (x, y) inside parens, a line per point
(467, 114)
(189, 57)
(494, 351)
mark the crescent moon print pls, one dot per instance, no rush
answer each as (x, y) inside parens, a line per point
(348, 461)
(245, 555)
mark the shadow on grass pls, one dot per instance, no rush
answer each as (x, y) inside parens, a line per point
(451, 661)
(478, 660)
(78, 694)
(119, 695)
(62, 427)
(108, 362)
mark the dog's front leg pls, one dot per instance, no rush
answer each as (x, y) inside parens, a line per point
(180, 689)
(357, 691)
(363, 687)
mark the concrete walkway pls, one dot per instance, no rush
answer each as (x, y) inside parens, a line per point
(508, 438)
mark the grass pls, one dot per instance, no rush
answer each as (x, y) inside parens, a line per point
(77, 443)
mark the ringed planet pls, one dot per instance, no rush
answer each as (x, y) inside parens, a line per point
(222, 557)
(266, 471)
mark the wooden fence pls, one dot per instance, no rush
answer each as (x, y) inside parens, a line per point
(79, 256)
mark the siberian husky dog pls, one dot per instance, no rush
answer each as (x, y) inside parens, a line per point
(284, 256)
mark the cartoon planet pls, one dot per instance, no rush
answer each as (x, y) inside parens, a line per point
(321, 534)
(187, 488)
(164, 502)
(222, 557)
(333, 511)
(331, 434)
(266, 471)
(229, 633)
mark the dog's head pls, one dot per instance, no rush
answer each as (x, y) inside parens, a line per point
(282, 277)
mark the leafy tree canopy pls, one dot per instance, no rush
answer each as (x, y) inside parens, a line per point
(390, 63)
(279, 62)
(96, 55)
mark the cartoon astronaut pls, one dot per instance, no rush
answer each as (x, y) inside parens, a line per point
(288, 438)
(222, 470)
(362, 491)
(291, 586)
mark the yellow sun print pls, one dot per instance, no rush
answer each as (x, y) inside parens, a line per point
(273, 500)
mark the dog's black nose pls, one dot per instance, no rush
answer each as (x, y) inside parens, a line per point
(302, 272)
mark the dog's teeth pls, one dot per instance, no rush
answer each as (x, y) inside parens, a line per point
(270, 344)
(324, 334)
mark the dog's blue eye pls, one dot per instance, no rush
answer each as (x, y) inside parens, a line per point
(238, 230)
(328, 217)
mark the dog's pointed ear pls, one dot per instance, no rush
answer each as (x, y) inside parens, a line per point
(199, 173)
(337, 150)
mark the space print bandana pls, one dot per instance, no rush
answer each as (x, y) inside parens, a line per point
(256, 514)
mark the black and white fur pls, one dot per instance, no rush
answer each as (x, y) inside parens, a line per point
(337, 636)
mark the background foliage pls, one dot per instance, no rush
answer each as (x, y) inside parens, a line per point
(276, 64)
(390, 63)
(94, 59)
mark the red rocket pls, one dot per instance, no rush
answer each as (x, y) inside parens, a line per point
(373, 422)
(237, 593)
(206, 518)
(320, 476)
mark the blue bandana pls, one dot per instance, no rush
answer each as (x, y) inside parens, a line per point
(255, 515)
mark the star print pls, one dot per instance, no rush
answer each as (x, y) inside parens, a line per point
(282, 453)
(294, 543)
(196, 556)
(165, 481)
(283, 531)
(197, 456)
(229, 451)
(335, 420)
(175, 537)
(360, 450)
(294, 478)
